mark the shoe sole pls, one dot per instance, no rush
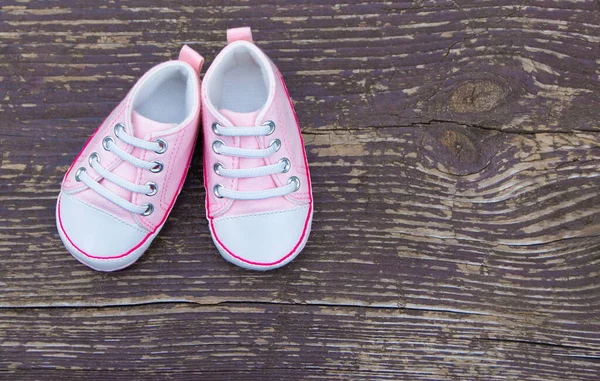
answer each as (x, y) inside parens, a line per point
(258, 267)
(109, 264)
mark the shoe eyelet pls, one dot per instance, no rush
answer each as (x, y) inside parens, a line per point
(153, 188)
(276, 143)
(271, 124)
(93, 156)
(118, 126)
(163, 146)
(215, 128)
(149, 209)
(296, 181)
(105, 141)
(78, 173)
(216, 189)
(288, 164)
(216, 145)
(218, 167)
(158, 166)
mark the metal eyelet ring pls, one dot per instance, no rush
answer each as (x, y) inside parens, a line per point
(105, 142)
(216, 145)
(93, 156)
(288, 164)
(271, 124)
(118, 126)
(158, 166)
(215, 128)
(162, 144)
(78, 173)
(149, 209)
(217, 168)
(296, 181)
(153, 188)
(216, 190)
(276, 143)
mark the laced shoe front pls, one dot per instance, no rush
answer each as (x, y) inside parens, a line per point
(117, 195)
(259, 199)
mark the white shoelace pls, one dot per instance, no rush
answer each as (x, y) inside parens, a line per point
(282, 166)
(150, 189)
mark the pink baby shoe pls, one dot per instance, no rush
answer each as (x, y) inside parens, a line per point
(258, 192)
(118, 193)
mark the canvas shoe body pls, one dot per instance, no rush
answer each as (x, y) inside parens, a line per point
(117, 194)
(258, 192)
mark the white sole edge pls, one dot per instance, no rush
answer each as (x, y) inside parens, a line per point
(229, 258)
(105, 265)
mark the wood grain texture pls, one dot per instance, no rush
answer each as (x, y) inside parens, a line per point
(280, 341)
(454, 149)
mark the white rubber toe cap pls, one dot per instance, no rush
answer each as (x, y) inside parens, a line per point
(263, 241)
(97, 238)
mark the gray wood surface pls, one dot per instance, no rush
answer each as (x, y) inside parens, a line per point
(454, 148)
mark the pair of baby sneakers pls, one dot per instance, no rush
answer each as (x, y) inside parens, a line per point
(118, 193)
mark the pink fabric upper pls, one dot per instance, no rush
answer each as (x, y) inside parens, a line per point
(279, 109)
(239, 34)
(180, 139)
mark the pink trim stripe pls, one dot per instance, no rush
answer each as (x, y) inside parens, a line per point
(300, 135)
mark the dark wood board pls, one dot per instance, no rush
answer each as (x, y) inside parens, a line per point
(454, 148)
(251, 341)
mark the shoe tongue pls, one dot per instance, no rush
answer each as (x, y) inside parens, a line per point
(240, 119)
(143, 126)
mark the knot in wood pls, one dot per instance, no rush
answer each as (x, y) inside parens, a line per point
(459, 150)
(460, 147)
(477, 96)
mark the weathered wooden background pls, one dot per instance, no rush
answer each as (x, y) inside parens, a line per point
(455, 156)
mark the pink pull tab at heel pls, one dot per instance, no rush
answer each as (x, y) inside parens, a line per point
(239, 34)
(192, 57)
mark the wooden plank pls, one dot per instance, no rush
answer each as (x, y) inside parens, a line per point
(501, 65)
(347, 343)
(432, 216)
